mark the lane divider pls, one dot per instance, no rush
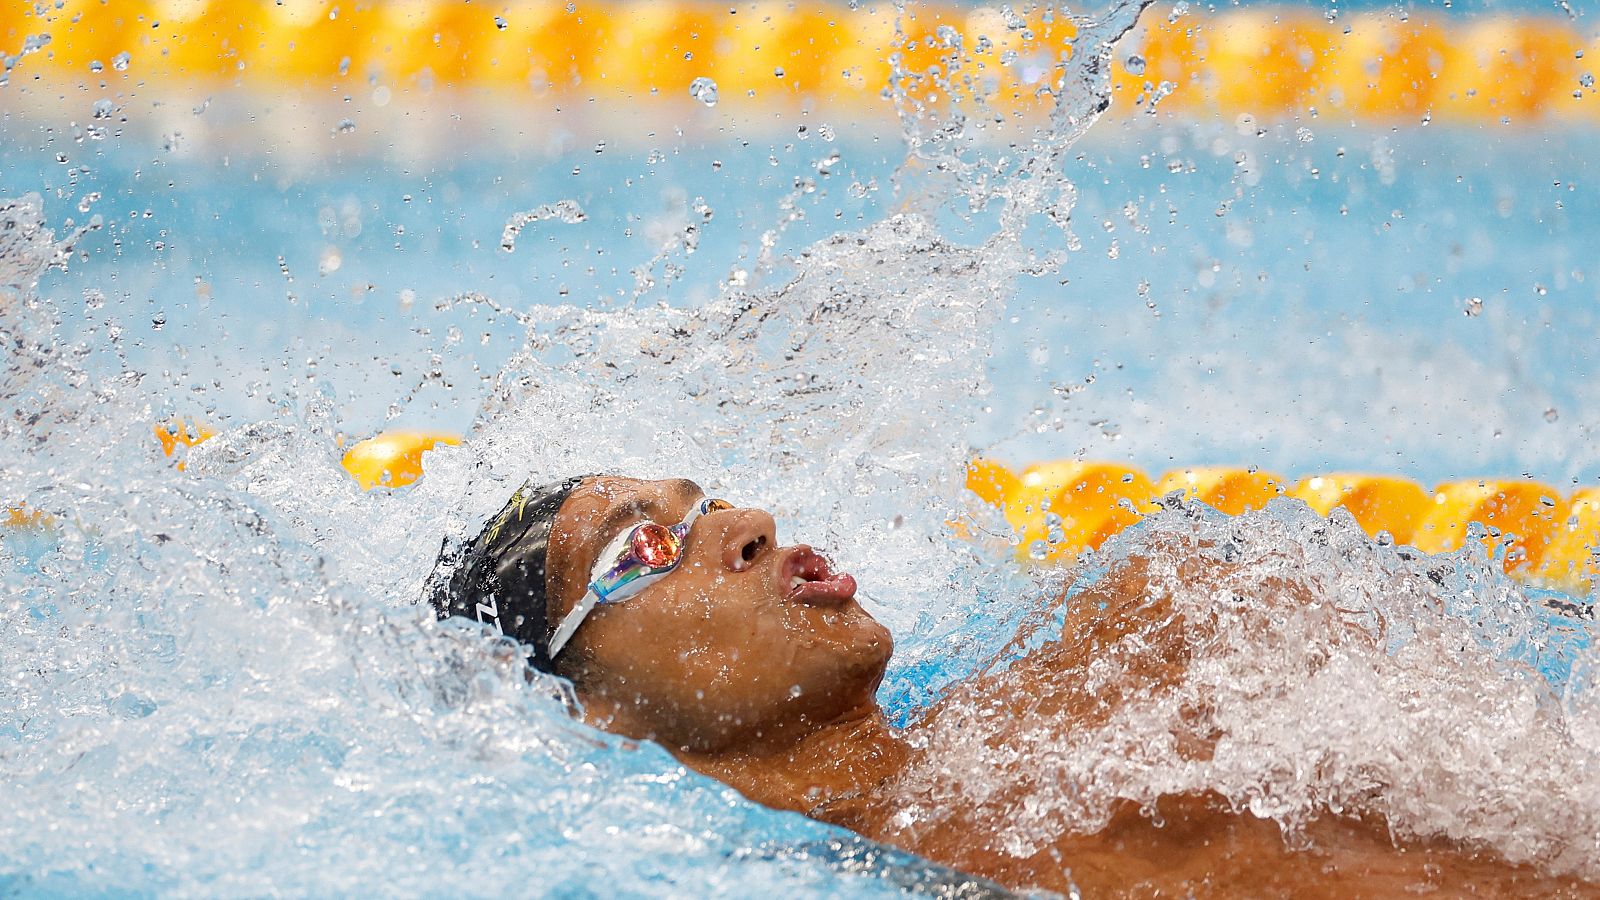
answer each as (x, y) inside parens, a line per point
(389, 459)
(1266, 61)
(1062, 508)
(1059, 509)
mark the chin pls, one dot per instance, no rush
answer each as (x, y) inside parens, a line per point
(873, 647)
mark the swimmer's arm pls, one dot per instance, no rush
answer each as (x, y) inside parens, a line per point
(1132, 618)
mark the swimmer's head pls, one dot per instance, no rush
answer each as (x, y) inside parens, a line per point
(501, 578)
(744, 643)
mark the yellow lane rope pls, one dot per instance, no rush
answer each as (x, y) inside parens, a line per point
(1269, 62)
(1060, 509)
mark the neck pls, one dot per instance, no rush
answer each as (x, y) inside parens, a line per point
(839, 761)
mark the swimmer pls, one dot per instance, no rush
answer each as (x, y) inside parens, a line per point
(680, 619)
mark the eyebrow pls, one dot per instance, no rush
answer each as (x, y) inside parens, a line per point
(612, 521)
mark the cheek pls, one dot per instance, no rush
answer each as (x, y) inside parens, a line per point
(691, 639)
(727, 635)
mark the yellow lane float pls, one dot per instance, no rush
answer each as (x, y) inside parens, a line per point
(1522, 517)
(1378, 502)
(1281, 49)
(393, 458)
(1060, 509)
(1384, 68)
(22, 517)
(1569, 560)
(1266, 61)
(180, 432)
(390, 459)
(991, 481)
(1229, 490)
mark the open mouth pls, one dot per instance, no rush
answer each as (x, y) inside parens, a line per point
(813, 581)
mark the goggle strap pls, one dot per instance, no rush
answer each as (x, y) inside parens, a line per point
(569, 625)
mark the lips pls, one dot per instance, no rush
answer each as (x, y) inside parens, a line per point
(813, 581)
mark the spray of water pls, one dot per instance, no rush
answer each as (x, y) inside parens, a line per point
(219, 681)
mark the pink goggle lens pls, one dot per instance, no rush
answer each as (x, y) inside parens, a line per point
(655, 545)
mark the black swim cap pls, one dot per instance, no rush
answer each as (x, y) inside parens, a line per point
(500, 578)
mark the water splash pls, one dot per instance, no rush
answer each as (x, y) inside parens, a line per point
(564, 211)
(235, 650)
(215, 683)
(1327, 673)
(222, 683)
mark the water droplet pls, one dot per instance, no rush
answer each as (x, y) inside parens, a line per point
(1586, 79)
(795, 692)
(97, 67)
(1134, 64)
(120, 61)
(345, 126)
(1550, 415)
(1472, 307)
(330, 261)
(1039, 551)
(344, 65)
(704, 90)
(103, 109)
(778, 72)
(565, 211)
(158, 320)
(500, 22)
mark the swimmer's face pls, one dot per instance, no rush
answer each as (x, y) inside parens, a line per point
(745, 643)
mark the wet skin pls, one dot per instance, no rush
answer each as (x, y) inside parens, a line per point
(770, 687)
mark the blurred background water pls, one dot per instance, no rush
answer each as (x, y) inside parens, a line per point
(1304, 298)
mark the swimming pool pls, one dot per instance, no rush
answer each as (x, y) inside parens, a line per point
(216, 682)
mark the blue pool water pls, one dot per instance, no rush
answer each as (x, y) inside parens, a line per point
(216, 680)
(1251, 289)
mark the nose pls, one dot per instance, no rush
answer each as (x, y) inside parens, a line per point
(747, 536)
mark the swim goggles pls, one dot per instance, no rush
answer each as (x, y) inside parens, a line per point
(634, 560)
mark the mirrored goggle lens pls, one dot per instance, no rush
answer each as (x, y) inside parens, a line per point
(655, 545)
(709, 505)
